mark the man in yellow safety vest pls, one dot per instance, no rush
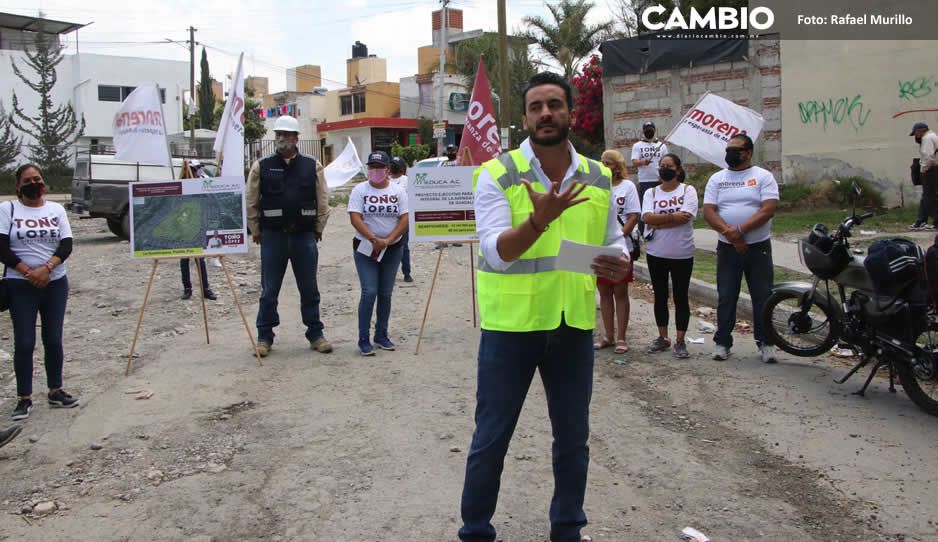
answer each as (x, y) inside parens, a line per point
(535, 316)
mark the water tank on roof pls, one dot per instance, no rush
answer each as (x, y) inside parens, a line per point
(359, 50)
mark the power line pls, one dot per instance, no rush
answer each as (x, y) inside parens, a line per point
(311, 77)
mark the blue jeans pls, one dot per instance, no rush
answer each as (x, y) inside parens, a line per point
(405, 259)
(184, 270)
(756, 265)
(377, 283)
(507, 361)
(299, 248)
(26, 301)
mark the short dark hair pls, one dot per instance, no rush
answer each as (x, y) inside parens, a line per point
(546, 78)
(24, 167)
(747, 141)
(677, 162)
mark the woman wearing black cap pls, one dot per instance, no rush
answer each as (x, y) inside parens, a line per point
(398, 176)
(378, 211)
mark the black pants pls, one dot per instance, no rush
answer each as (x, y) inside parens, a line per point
(642, 187)
(930, 194)
(184, 270)
(661, 269)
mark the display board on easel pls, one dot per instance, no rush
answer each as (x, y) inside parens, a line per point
(188, 218)
(440, 203)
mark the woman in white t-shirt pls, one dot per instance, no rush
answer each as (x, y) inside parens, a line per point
(378, 211)
(614, 296)
(35, 241)
(668, 211)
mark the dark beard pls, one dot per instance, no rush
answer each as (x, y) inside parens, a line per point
(550, 141)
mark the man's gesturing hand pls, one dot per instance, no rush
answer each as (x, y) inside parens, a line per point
(551, 204)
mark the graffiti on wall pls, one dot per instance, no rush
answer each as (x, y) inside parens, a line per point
(835, 111)
(920, 87)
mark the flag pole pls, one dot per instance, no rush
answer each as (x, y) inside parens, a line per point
(165, 131)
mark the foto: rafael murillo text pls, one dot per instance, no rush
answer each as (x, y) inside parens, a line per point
(848, 19)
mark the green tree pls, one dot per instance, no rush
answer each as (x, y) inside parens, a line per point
(10, 145)
(567, 39)
(54, 129)
(411, 154)
(206, 96)
(253, 123)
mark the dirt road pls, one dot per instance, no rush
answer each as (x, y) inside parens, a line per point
(340, 447)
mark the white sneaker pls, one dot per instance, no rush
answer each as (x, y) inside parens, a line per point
(721, 353)
(768, 353)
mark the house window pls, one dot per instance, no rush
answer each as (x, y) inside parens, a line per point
(346, 103)
(359, 102)
(108, 93)
(114, 93)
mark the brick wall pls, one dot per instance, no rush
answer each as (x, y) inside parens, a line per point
(664, 96)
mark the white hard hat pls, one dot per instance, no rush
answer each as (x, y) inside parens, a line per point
(286, 123)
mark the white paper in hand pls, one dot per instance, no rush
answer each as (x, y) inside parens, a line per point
(578, 257)
(366, 248)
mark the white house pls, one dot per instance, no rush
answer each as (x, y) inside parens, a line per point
(95, 85)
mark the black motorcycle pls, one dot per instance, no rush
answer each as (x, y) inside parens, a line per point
(895, 330)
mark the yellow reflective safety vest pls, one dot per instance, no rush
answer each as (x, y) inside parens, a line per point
(531, 295)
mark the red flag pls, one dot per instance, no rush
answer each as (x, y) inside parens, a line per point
(480, 140)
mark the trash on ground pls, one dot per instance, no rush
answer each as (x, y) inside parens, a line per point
(705, 327)
(842, 352)
(619, 361)
(695, 340)
(868, 232)
(689, 533)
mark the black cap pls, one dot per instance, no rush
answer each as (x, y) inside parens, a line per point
(451, 147)
(379, 157)
(399, 162)
(918, 126)
(648, 123)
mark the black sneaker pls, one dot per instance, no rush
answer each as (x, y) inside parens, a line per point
(186, 293)
(60, 399)
(916, 226)
(9, 434)
(22, 410)
(209, 294)
(408, 278)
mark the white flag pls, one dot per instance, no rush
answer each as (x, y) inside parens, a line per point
(230, 137)
(707, 127)
(139, 128)
(344, 167)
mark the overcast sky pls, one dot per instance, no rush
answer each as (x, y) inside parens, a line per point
(273, 35)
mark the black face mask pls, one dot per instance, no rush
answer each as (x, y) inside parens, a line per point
(32, 190)
(649, 134)
(667, 174)
(918, 140)
(734, 157)
(395, 169)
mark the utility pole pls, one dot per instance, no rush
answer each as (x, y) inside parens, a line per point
(191, 88)
(504, 102)
(443, 47)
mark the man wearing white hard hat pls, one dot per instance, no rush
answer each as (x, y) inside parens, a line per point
(287, 209)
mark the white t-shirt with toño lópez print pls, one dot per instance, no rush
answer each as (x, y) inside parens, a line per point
(380, 207)
(35, 233)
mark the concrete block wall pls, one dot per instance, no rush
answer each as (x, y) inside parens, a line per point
(664, 96)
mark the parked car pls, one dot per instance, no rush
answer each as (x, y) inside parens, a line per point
(432, 162)
(99, 187)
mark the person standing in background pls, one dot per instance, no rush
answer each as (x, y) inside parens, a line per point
(398, 176)
(645, 156)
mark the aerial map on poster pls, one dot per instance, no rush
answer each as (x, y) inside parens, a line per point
(192, 217)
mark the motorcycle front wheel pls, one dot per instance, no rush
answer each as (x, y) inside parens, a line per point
(798, 332)
(921, 385)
